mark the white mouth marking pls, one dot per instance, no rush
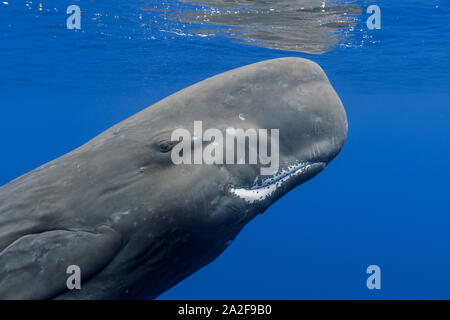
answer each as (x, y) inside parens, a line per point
(267, 188)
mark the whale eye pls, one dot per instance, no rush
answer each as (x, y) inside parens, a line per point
(166, 146)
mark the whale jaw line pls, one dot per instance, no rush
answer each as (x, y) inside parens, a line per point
(274, 187)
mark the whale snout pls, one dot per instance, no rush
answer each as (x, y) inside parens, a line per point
(330, 138)
(315, 118)
(312, 122)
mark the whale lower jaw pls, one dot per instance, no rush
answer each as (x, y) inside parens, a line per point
(279, 184)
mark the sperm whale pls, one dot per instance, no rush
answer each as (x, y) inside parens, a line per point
(134, 222)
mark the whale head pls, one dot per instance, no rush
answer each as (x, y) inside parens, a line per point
(287, 101)
(180, 179)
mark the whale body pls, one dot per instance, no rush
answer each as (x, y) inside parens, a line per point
(134, 222)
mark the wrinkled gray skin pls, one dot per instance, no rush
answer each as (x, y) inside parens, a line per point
(137, 224)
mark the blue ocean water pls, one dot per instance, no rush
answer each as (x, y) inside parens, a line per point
(383, 200)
